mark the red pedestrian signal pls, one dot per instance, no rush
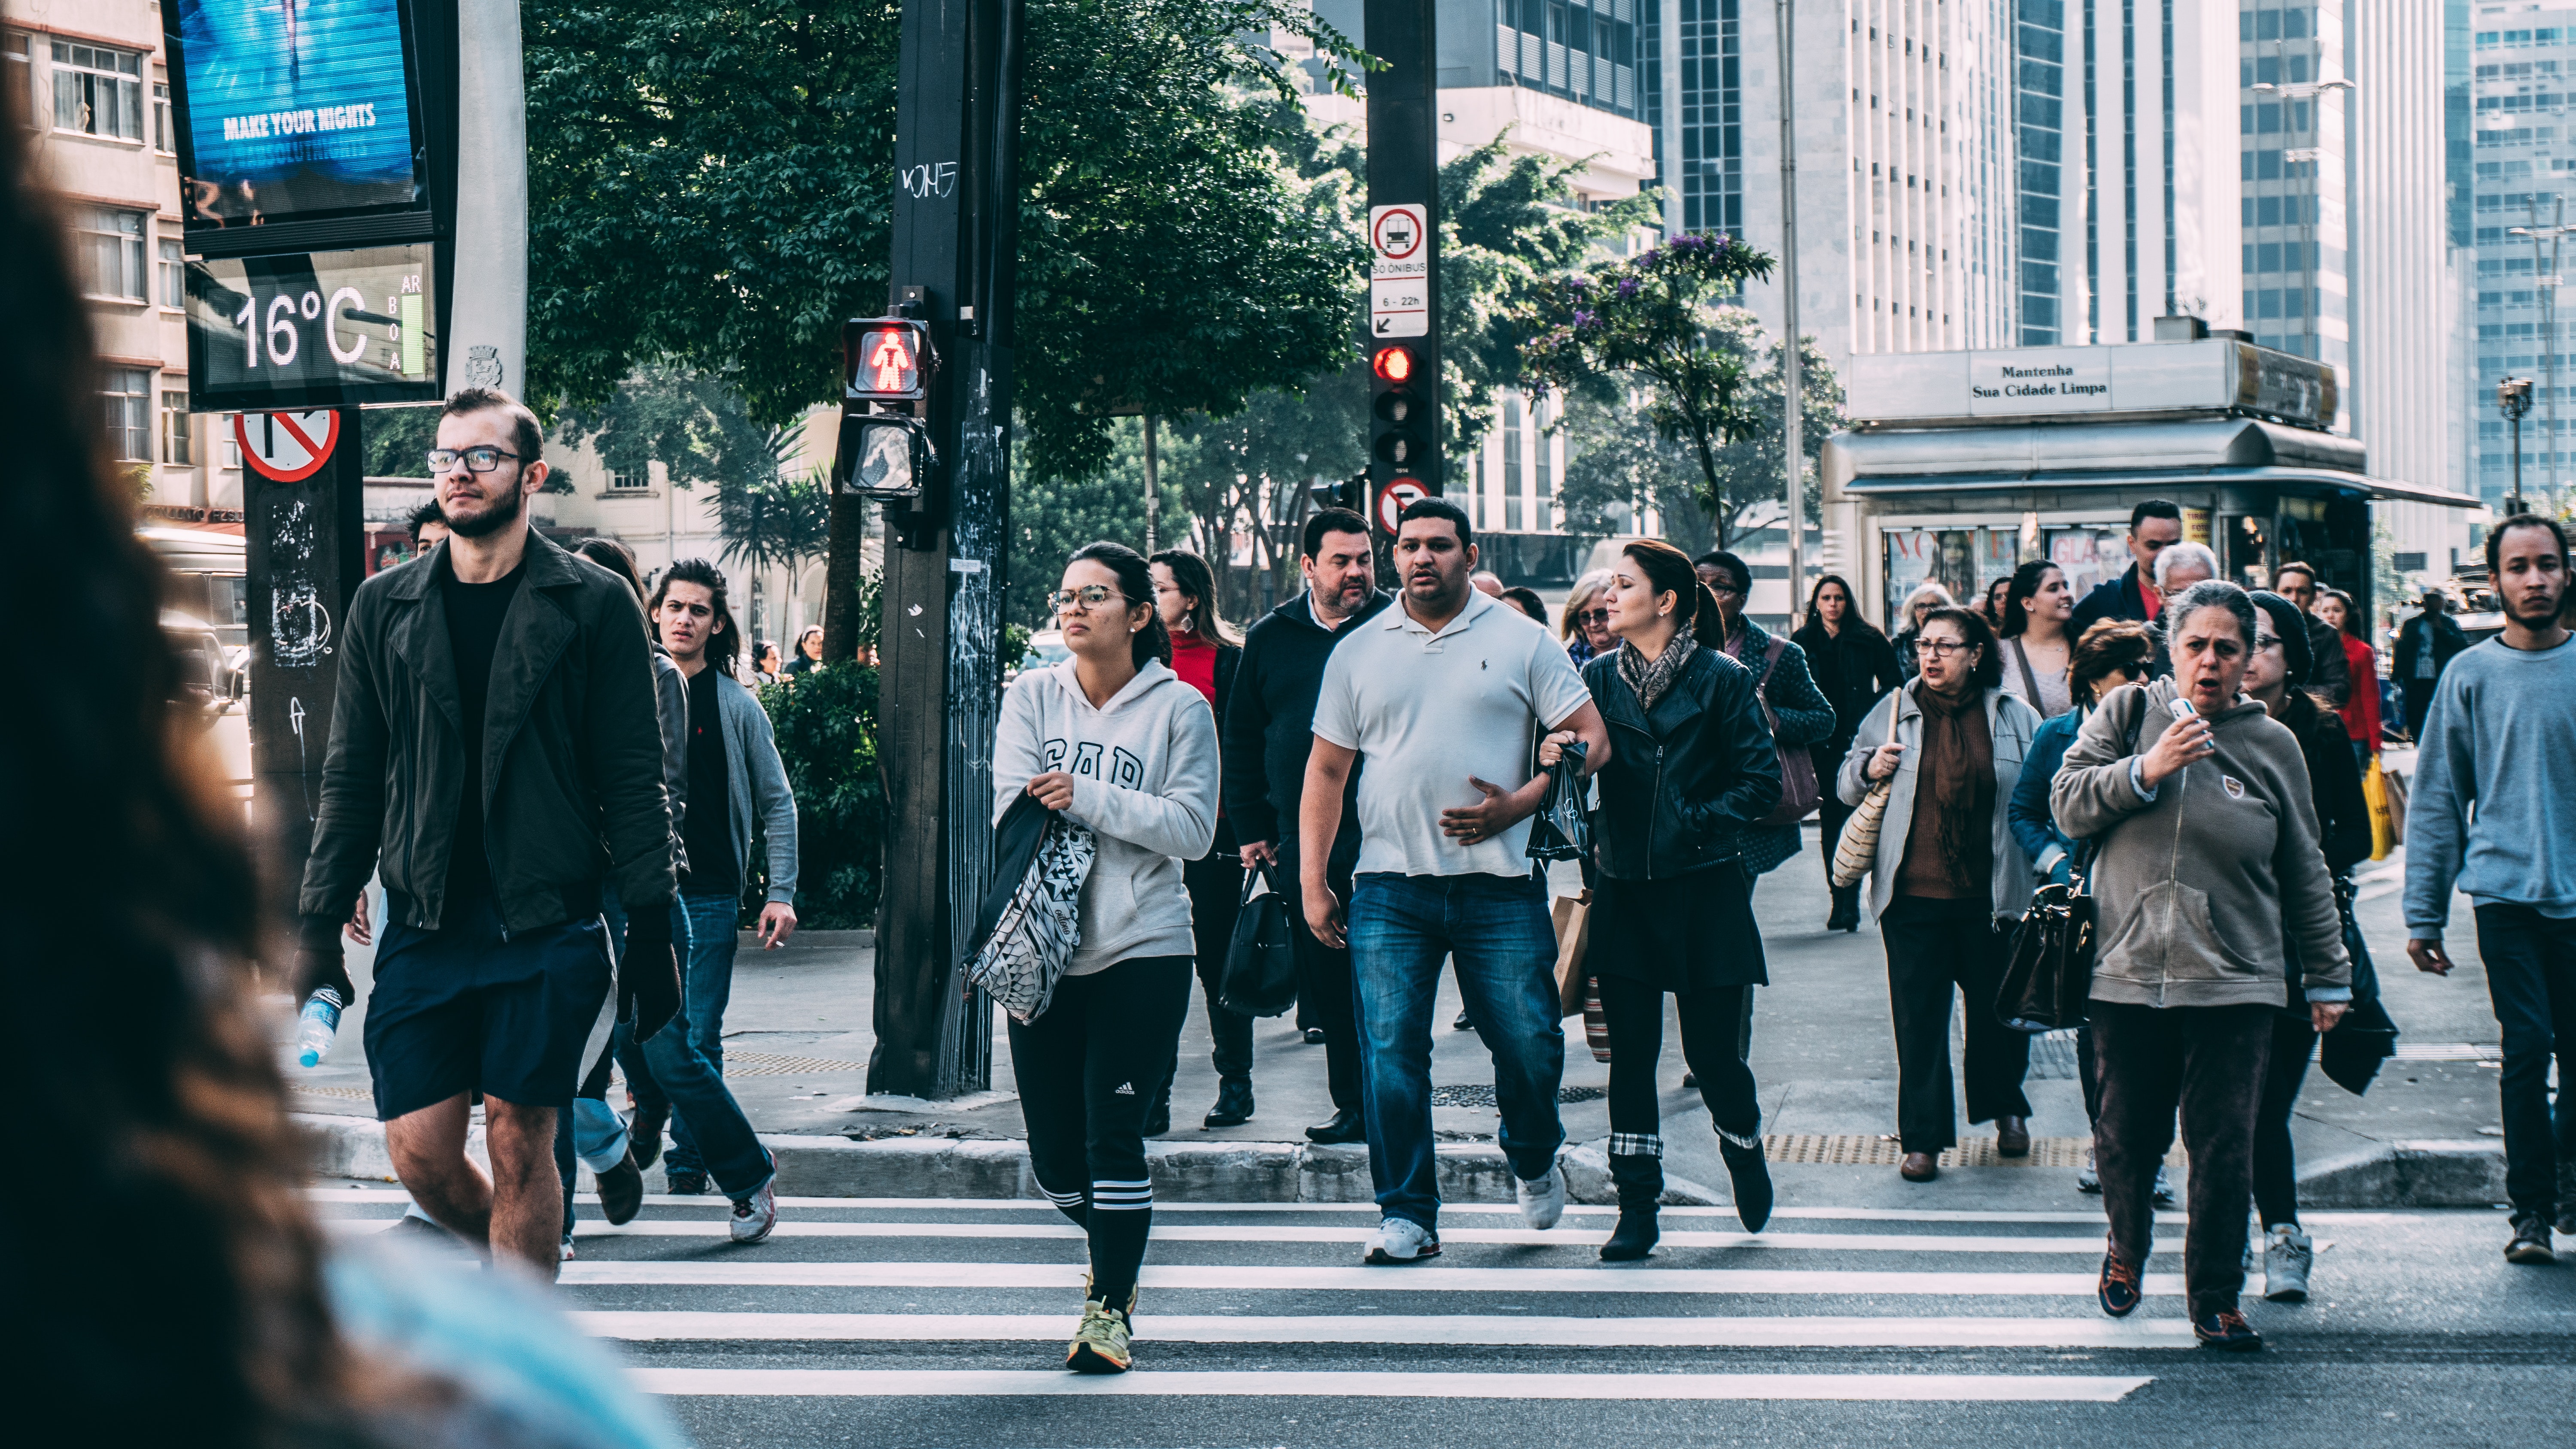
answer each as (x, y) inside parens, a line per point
(1394, 364)
(886, 360)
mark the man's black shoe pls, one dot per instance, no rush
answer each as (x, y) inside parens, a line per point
(621, 1190)
(644, 1132)
(1346, 1125)
(1233, 1103)
(1314, 1036)
(685, 1184)
(2120, 1289)
(2226, 1330)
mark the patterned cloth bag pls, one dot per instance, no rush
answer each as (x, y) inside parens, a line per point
(1033, 939)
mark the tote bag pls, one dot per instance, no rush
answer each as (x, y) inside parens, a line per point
(1857, 850)
(1261, 961)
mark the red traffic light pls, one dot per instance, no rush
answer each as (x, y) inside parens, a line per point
(1394, 364)
(885, 360)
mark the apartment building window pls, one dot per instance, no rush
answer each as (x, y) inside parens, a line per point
(178, 428)
(97, 91)
(628, 482)
(128, 394)
(165, 125)
(174, 273)
(110, 243)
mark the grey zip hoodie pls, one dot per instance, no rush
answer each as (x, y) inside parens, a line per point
(1144, 780)
(2197, 886)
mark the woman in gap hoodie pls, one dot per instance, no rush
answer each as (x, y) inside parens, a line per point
(1117, 742)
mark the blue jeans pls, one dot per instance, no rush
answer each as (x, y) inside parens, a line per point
(674, 1068)
(1497, 928)
(706, 987)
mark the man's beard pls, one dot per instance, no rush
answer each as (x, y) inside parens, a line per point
(2539, 618)
(499, 516)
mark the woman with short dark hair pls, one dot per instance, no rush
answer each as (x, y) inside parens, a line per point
(1947, 878)
(2199, 803)
(809, 650)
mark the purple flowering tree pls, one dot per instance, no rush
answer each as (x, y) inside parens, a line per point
(1650, 321)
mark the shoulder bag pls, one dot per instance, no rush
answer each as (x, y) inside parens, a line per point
(1261, 961)
(1030, 922)
(1857, 850)
(1798, 792)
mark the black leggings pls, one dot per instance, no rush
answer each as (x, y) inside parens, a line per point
(1088, 1068)
(2276, 1169)
(1710, 1020)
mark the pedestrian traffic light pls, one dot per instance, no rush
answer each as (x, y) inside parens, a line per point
(1347, 493)
(886, 359)
(1400, 434)
(885, 451)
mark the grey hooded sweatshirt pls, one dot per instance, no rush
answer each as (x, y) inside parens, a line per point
(1144, 773)
(2197, 886)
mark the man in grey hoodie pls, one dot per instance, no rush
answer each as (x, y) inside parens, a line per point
(2200, 804)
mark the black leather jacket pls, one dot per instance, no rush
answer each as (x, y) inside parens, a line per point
(1684, 781)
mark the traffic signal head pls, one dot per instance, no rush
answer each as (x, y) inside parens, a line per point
(887, 359)
(1401, 440)
(1393, 365)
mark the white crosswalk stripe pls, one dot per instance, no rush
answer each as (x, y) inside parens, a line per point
(1234, 1291)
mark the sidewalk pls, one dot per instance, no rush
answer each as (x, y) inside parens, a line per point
(797, 1042)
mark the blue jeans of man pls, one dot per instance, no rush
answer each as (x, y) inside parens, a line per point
(2531, 974)
(674, 1068)
(1497, 929)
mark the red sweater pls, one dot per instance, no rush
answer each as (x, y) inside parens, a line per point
(2361, 714)
(1194, 660)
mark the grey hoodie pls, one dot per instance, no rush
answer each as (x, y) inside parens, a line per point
(1144, 780)
(2197, 888)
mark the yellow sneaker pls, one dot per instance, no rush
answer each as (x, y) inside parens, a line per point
(1102, 1343)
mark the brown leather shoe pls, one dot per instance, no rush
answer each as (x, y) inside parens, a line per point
(2012, 1136)
(1919, 1167)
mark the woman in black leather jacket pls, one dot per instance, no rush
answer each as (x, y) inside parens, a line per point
(1692, 765)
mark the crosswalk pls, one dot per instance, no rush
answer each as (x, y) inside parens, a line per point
(892, 1299)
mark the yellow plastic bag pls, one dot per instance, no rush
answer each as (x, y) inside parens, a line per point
(2383, 820)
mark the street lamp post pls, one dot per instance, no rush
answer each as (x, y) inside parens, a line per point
(2513, 399)
(2546, 281)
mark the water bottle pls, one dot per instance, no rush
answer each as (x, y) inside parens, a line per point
(318, 1025)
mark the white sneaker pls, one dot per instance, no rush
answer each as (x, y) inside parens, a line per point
(1543, 1199)
(2088, 1180)
(1401, 1240)
(2288, 1254)
(755, 1215)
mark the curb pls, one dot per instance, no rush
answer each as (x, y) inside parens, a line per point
(2423, 1173)
(965, 1168)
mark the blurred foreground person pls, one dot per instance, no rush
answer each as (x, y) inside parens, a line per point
(215, 1315)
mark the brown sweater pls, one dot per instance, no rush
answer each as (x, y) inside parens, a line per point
(1948, 856)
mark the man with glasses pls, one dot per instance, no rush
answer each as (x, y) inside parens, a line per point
(2154, 526)
(1440, 694)
(496, 757)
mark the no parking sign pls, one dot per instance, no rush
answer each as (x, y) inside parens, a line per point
(287, 447)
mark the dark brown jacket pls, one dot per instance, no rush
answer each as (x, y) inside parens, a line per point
(572, 750)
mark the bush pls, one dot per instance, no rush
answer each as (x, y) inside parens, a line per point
(826, 723)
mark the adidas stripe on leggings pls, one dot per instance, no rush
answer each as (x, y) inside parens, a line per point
(1089, 1068)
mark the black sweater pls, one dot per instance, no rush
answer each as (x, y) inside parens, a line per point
(1269, 719)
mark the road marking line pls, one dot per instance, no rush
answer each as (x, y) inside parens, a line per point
(1283, 1233)
(1426, 1278)
(1790, 1331)
(1970, 1388)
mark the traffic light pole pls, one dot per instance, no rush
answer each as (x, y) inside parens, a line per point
(955, 240)
(1404, 239)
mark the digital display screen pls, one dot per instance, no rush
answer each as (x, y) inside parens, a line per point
(296, 110)
(327, 329)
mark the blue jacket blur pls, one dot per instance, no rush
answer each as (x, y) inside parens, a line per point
(2051, 853)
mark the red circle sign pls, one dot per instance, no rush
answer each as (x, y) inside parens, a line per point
(287, 447)
(1398, 233)
(1396, 497)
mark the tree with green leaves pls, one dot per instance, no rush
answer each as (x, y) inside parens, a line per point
(1653, 321)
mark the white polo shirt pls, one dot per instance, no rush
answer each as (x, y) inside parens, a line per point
(1425, 711)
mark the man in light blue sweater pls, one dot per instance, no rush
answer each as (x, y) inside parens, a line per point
(2501, 737)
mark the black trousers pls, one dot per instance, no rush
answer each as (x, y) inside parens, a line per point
(2531, 976)
(1834, 813)
(1709, 1021)
(2207, 1063)
(1935, 949)
(2276, 1167)
(2418, 695)
(1215, 884)
(1088, 1069)
(1327, 998)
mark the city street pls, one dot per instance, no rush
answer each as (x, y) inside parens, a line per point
(942, 1323)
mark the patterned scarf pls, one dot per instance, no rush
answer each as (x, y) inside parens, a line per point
(1652, 680)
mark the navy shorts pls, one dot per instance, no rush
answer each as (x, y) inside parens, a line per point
(468, 1008)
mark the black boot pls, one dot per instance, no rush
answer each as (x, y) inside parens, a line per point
(1751, 1177)
(1640, 1179)
(1846, 913)
(1233, 1103)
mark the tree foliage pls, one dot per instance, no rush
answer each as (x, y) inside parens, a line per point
(826, 726)
(1654, 321)
(711, 183)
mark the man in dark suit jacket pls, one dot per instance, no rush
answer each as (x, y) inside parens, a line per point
(2330, 675)
(2152, 525)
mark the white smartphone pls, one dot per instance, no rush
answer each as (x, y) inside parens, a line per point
(2182, 707)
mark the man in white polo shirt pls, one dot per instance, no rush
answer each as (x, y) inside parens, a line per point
(1442, 695)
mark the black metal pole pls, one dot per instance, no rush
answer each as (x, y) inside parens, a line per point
(1404, 170)
(955, 246)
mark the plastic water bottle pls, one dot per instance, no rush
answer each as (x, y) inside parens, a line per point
(318, 1025)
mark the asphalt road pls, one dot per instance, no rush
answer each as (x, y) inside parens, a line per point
(937, 1324)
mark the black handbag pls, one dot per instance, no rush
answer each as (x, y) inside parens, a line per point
(2350, 1055)
(2050, 974)
(1261, 961)
(1562, 830)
